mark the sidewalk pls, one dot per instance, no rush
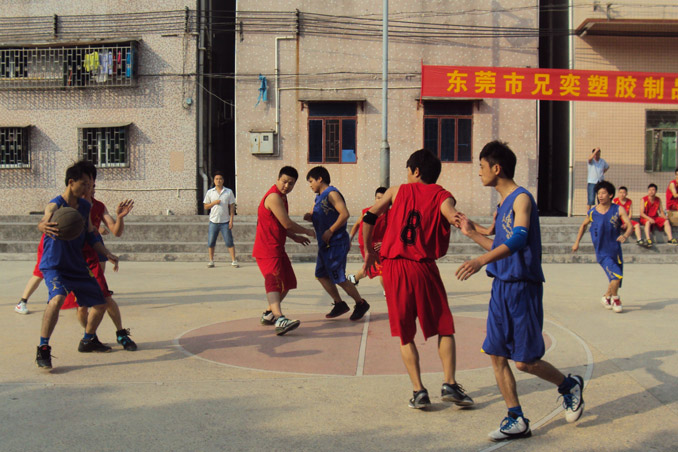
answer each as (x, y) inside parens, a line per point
(164, 397)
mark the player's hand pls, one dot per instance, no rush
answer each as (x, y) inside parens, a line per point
(230, 225)
(308, 217)
(113, 258)
(301, 239)
(124, 208)
(377, 247)
(621, 238)
(464, 224)
(370, 258)
(103, 230)
(467, 269)
(49, 229)
(575, 247)
(651, 221)
(327, 235)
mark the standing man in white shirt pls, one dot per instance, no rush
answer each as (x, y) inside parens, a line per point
(597, 167)
(221, 203)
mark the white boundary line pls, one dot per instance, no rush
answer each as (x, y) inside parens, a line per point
(363, 347)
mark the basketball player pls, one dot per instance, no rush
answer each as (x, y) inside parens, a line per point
(65, 270)
(273, 227)
(329, 217)
(606, 225)
(515, 318)
(418, 233)
(652, 215)
(627, 204)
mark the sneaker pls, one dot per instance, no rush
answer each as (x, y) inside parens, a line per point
(616, 305)
(420, 400)
(124, 340)
(673, 241)
(353, 279)
(235, 264)
(359, 310)
(512, 427)
(21, 308)
(607, 302)
(455, 393)
(93, 345)
(640, 242)
(44, 357)
(210, 265)
(284, 325)
(267, 318)
(573, 402)
(648, 243)
(339, 308)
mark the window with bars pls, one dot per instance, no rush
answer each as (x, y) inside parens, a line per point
(14, 147)
(661, 145)
(448, 130)
(332, 132)
(105, 146)
(91, 66)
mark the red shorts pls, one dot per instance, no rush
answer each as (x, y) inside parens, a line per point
(375, 270)
(278, 273)
(658, 222)
(633, 223)
(36, 270)
(415, 289)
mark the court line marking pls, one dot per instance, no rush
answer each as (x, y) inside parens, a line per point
(363, 347)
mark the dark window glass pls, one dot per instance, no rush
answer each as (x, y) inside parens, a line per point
(332, 132)
(447, 141)
(315, 141)
(431, 134)
(448, 130)
(348, 141)
(464, 140)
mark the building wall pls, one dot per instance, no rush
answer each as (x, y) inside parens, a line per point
(344, 67)
(162, 135)
(619, 128)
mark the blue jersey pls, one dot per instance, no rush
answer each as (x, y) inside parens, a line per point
(605, 229)
(66, 256)
(324, 216)
(525, 264)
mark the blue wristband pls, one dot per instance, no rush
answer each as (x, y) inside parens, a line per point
(518, 239)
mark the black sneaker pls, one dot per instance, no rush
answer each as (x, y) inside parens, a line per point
(44, 357)
(267, 318)
(284, 325)
(359, 310)
(124, 340)
(93, 345)
(338, 309)
(455, 393)
(420, 400)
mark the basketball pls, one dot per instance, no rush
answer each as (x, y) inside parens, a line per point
(69, 221)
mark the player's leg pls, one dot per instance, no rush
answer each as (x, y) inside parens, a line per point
(82, 312)
(212, 234)
(336, 266)
(274, 299)
(51, 315)
(94, 317)
(228, 241)
(410, 356)
(636, 231)
(661, 222)
(31, 286)
(505, 380)
(613, 287)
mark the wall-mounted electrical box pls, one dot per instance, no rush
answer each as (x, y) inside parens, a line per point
(261, 143)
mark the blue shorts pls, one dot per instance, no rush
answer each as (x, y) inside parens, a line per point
(591, 194)
(613, 266)
(85, 288)
(515, 320)
(214, 230)
(331, 262)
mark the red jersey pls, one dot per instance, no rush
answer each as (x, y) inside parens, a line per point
(626, 205)
(416, 229)
(671, 202)
(378, 230)
(269, 240)
(651, 209)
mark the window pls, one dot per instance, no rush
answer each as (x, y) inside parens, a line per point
(96, 65)
(105, 146)
(661, 148)
(14, 147)
(332, 132)
(448, 130)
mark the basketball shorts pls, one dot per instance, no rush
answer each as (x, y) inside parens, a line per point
(92, 259)
(658, 222)
(415, 290)
(278, 273)
(633, 223)
(375, 270)
(613, 266)
(331, 262)
(515, 320)
(85, 288)
(36, 270)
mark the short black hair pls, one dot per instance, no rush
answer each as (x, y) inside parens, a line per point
(77, 170)
(318, 172)
(623, 188)
(218, 173)
(652, 185)
(288, 171)
(498, 153)
(609, 188)
(89, 168)
(676, 170)
(428, 164)
(381, 190)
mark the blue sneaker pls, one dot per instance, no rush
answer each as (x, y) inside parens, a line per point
(512, 427)
(573, 401)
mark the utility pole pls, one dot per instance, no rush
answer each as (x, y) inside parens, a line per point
(385, 155)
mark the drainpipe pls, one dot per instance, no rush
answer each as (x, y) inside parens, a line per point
(385, 154)
(277, 90)
(570, 65)
(199, 98)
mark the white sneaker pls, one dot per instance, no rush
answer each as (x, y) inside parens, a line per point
(512, 428)
(21, 308)
(616, 305)
(352, 279)
(573, 401)
(210, 265)
(235, 264)
(607, 302)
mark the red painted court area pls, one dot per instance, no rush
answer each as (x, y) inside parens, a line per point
(330, 347)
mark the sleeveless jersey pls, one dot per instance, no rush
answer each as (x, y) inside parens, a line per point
(605, 228)
(96, 214)
(416, 229)
(270, 237)
(378, 229)
(626, 205)
(324, 216)
(525, 264)
(66, 256)
(671, 202)
(651, 209)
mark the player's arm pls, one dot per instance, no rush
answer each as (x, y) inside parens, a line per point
(369, 219)
(607, 167)
(117, 226)
(338, 203)
(231, 211)
(625, 220)
(593, 154)
(356, 226)
(47, 227)
(643, 213)
(581, 231)
(522, 207)
(93, 238)
(660, 211)
(274, 203)
(207, 204)
(473, 231)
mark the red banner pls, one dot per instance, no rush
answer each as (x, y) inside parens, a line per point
(548, 84)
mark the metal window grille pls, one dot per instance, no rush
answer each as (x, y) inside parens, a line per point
(14, 147)
(106, 147)
(91, 66)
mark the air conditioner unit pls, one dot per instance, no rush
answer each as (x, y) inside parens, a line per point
(261, 143)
